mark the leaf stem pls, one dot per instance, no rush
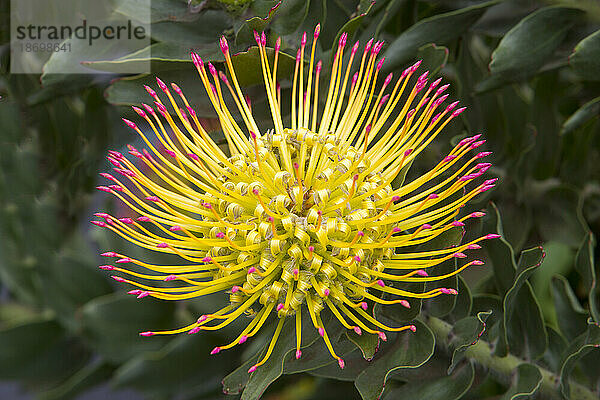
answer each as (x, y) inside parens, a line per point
(504, 367)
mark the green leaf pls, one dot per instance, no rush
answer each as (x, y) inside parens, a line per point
(523, 320)
(584, 114)
(522, 325)
(161, 10)
(434, 58)
(585, 60)
(205, 29)
(466, 333)
(558, 261)
(464, 301)
(406, 350)
(571, 317)
(580, 347)
(368, 343)
(37, 351)
(526, 383)
(557, 216)
(451, 387)
(584, 263)
(552, 359)
(353, 24)
(439, 29)
(289, 17)
(91, 375)
(112, 324)
(244, 32)
(527, 46)
(153, 372)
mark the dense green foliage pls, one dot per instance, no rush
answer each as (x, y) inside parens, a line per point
(523, 325)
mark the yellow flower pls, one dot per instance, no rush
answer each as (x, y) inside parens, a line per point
(295, 219)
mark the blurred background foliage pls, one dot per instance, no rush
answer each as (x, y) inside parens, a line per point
(523, 326)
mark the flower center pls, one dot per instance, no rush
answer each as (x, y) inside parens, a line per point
(295, 233)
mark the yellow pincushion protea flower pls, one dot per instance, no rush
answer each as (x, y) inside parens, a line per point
(299, 219)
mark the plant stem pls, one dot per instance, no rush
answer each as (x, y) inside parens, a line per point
(504, 367)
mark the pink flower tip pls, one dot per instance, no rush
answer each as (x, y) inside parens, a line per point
(143, 294)
(477, 262)
(143, 219)
(382, 336)
(363, 305)
(303, 39)
(357, 258)
(146, 334)
(110, 254)
(326, 292)
(235, 289)
(243, 339)
(176, 88)
(101, 224)
(161, 84)
(280, 306)
(162, 245)
(219, 235)
(251, 270)
(380, 282)
(432, 196)
(459, 255)
(224, 45)
(152, 198)
(135, 291)
(408, 152)
(123, 260)
(252, 369)
(343, 39)
(412, 328)
(150, 91)
(118, 278)
(426, 226)
(357, 330)
(103, 188)
(215, 350)
(473, 246)
(126, 220)
(212, 69)
(360, 234)
(341, 363)
(458, 223)
(483, 154)
(201, 319)
(106, 267)
(422, 272)
(170, 278)
(492, 236)
(194, 330)
(396, 229)
(206, 259)
(321, 331)
(405, 303)
(380, 63)
(298, 354)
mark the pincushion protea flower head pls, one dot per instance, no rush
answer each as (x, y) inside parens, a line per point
(301, 218)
